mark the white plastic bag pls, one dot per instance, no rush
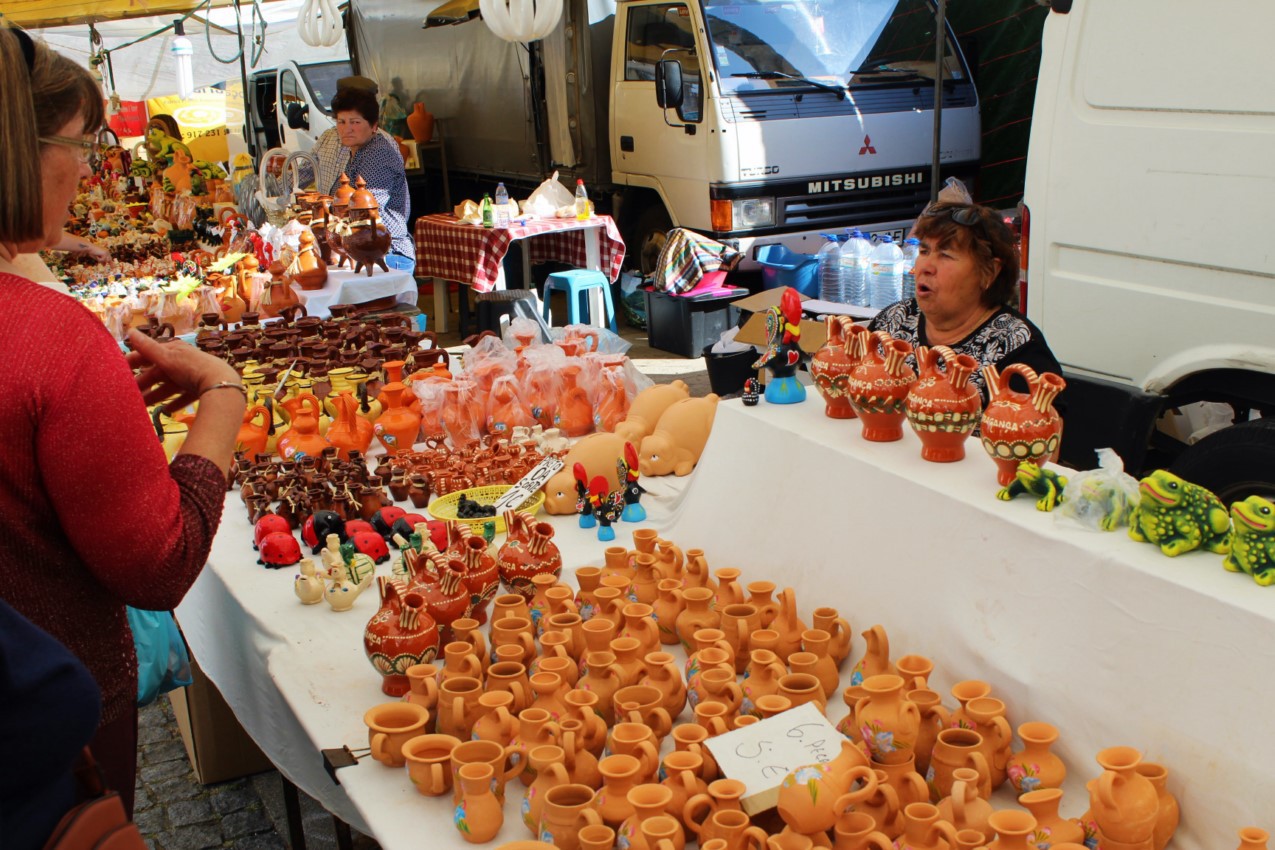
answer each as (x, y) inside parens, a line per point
(548, 198)
(1100, 499)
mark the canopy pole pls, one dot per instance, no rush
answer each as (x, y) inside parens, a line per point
(940, 38)
(249, 137)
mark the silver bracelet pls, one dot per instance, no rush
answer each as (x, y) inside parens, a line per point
(226, 385)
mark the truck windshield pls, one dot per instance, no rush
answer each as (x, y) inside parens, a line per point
(321, 80)
(788, 44)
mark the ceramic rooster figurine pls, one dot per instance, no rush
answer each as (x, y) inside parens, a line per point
(627, 474)
(608, 507)
(583, 506)
(783, 353)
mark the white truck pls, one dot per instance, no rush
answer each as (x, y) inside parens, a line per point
(1148, 264)
(791, 118)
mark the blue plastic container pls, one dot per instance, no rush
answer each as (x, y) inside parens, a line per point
(782, 267)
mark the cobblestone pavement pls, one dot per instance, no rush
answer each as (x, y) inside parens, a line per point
(175, 812)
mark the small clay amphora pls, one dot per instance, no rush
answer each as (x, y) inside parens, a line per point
(831, 365)
(942, 406)
(1020, 426)
(400, 635)
(879, 383)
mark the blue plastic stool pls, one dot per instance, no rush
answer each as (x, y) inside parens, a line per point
(576, 283)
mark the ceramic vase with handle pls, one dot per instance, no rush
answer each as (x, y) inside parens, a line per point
(942, 406)
(1020, 426)
(879, 383)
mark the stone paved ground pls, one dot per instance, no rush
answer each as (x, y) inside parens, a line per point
(175, 812)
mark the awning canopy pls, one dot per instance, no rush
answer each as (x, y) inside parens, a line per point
(33, 14)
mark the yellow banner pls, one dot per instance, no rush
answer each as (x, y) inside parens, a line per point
(204, 119)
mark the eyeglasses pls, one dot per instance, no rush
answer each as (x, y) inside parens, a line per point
(87, 147)
(964, 215)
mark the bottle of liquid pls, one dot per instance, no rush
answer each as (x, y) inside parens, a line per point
(887, 277)
(582, 201)
(487, 212)
(911, 249)
(830, 277)
(502, 206)
(856, 262)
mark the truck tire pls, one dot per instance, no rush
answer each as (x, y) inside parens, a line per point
(649, 236)
(1234, 463)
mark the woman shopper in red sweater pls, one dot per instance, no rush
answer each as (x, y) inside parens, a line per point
(92, 517)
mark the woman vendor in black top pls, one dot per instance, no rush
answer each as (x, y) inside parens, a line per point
(966, 280)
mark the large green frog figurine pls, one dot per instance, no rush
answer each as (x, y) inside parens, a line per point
(1179, 516)
(1253, 547)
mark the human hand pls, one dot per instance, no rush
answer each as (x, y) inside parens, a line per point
(171, 369)
(96, 253)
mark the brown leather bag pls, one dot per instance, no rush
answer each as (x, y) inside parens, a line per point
(99, 823)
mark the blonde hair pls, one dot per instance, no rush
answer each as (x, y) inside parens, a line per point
(64, 90)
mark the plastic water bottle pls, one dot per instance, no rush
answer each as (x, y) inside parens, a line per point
(911, 250)
(887, 277)
(831, 287)
(855, 264)
(502, 208)
(582, 201)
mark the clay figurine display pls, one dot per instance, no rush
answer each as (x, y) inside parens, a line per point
(647, 408)
(752, 392)
(1179, 516)
(598, 453)
(1253, 544)
(627, 471)
(783, 354)
(583, 506)
(1045, 484)
(678, 441)
(367, 240)
(608, 506)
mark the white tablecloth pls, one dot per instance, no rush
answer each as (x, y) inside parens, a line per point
(1106, 638)
(346, 287)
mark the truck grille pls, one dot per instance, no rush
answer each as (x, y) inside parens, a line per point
(861, 206)
(765, 106)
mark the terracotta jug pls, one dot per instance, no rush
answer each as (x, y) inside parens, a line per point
(879, 383)
(648, 801)
(548, 689)
(915, 670)
(963, 692)
(478, 815)
(1035, 766)
(736, 829)
(934, 719)
(876, 799)
(695, 573)
(728, 590)
(422, 682)
(690, 738)
(1051, 827)
(876, 658)
(738, 622)
(620, 775)
(582, 705)
(819, 643)
(660, 671)
(1253, 838)
(956, 748)
(723, 796)
(760, 679)
(903, 778)
(348, 431)
(788, 625)
(459, 660)
(400, 634)
(838, 628)
(546, 761)
(482, 577)
(809, 796)
(831, 365)
(1123, 802)
(495, 720)
(446, 596)
(303, 437)
(1168, 813)
(987, 716)
(682, 773)
(669, 560)
(760, 596)
(602, 679)
(538, 602)
(252, 437)
(567, 808)
(661, 832)
(858, 831)
(923, 829)
(458, 707)
(964, 808)
(421, 125)
(634, 739)
(628, 659)
(646, 578)
(616, 561)
(668, 606)
(886, 721)
(638, 623)
(942, 406)
(699, 613)
(574, 414)
(1014, 830)
(529, 551)
(588, 579)
(1020, 426)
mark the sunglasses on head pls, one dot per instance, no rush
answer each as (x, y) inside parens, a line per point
(967, 216)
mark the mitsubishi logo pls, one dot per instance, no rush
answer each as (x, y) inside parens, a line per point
(867, 146)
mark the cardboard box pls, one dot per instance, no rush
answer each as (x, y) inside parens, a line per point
(218, 747)
(761, 754)
(813, 334)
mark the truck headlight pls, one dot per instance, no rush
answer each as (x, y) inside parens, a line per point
(742, 213)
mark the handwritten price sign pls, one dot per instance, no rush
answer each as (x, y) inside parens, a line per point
(529, 484)
(762, 754)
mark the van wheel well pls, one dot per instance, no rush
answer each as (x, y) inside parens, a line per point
(644, 224)
(1234, 463)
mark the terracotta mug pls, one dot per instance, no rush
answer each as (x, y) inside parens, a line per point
(858, 831)
(458, 706)
(514, 631)
(736, 829)
(645, 705)
(639, 741)
(957, 748)
(509, 605)
(501, 760)
(567, 809)
(429, 765)
(596, 836)
(390, 725)
(422, 683)
(511, 676)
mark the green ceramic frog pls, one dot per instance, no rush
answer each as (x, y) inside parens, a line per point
(1179, 516)
(1045, 484)
(1253, 546)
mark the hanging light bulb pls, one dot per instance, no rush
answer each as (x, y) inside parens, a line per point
(521, 20)
(182, 50)
(319, 23)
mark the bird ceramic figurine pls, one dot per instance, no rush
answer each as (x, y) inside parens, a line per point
(341, 593)
(627, 474)
(307, 585)
(783, 355)
(607, 506)
(583, 506)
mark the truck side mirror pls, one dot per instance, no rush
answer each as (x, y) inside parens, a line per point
(298, 116)
(668, 83)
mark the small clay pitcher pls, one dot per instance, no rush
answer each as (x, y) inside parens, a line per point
(760, 596)
(504, 766)
(723, 796)
(1168, 813)
(660, 671)
(682, 775)
(987, 715)
(1051, 827)
(495, 721)
(458, 706)
(760, 679)
(478, 815)
(964, 808)
(620, 774)
(956, 748)
(422, 683)
(567, 808)
(1124, 803)
(1014, 830)
(547, 763)
(876, 659)
(915, 670)
(923, 829)
(1035, 766)
(858, 831)
(739, 621)
(934, 719)
(699, 613)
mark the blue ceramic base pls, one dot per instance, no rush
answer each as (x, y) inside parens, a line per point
(588, 520)
(634, 513)
(606, 532)
(785, 391)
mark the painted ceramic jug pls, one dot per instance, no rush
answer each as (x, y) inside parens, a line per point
(943, 407)
(1020, 426)
(400, 635)
(879, 383)
(529, 551)
(831, 365)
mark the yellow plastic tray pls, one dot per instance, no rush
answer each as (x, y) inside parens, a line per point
(445, 507)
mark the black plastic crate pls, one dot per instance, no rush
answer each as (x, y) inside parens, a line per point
(684, 326)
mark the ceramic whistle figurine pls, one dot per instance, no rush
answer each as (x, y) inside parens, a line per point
(1179, 516)
(627, 473)
(583, 506)
(752, 392)
(308, 586)
(783, 355)
(1046, 485)
(1253, 544)
(608, 507)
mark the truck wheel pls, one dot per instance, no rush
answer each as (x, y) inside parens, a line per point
(649, 237)
(1234, 463)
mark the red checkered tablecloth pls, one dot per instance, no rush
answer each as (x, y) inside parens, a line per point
(449, 249)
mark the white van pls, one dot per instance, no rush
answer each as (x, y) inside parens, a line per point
(1147, 232)
(290, 106)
